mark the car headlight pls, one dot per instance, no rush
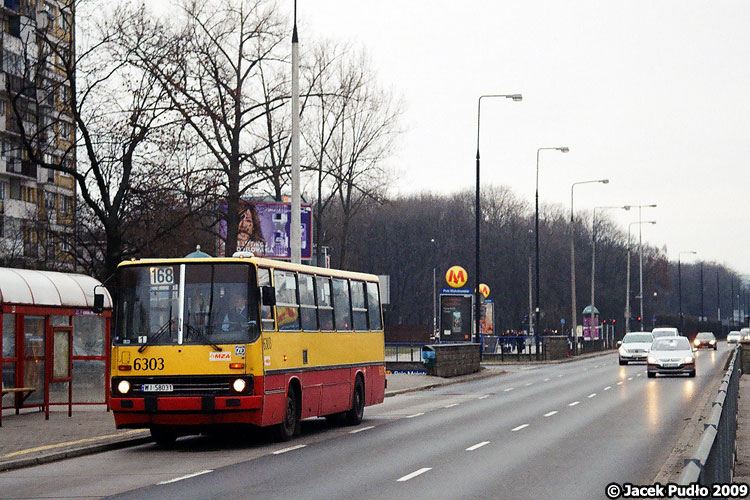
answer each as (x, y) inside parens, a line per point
(697, 342)
(688, 359)
(239, 385)
(652, 360)
(623, 350)
(712, 342)
(123, 387)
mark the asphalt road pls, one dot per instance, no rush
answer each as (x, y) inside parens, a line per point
(558, 431)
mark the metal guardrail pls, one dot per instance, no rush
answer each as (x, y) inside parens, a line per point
(713, 459)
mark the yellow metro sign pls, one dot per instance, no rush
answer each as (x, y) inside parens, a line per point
(456, 277)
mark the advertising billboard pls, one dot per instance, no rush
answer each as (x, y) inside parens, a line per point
(265, 229)
(456, 317)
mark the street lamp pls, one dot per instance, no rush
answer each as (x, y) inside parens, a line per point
(563, 149)
(573, 312)
(627, 280)
(434, 288)
(593, 258)
(679, 281)
(477, 215)
(640, 256)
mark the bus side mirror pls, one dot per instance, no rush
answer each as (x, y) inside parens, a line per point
(98, 302)
(268, 295)
(619, 343)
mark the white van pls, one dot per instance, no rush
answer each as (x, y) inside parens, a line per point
(665, 331)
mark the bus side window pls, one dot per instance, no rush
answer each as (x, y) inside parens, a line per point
(359, 309)
(325, 305)
(266, 312)
(373, 307)
(287, 308)
(307, 303)
(342, 305)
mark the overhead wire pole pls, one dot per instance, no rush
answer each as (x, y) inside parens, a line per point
(640, 257)
(296, 222)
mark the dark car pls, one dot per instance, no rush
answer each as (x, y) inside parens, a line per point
(705, 340)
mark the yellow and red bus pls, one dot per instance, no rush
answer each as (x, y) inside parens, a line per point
(202, 342)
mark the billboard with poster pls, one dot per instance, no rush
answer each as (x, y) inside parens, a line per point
(456, 307)
(265, 229)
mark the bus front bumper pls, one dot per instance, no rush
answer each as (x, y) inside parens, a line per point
(184, 410)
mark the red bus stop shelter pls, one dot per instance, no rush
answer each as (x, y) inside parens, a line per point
(54, 347)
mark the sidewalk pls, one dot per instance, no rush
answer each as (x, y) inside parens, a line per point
(27, 439)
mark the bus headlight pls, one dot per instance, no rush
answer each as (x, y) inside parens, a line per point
(123, 387)
(239, 385)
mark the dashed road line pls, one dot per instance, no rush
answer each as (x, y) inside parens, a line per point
(508, 389)
(291, 448)
(549, 414)
(188, 476)
(416, 415)
(484, 397)
(619, 383)
(477, 446)
(519, 428)
(546, 380)
(630, 378)
(355, 431)
(592, 395)
(574, 403)
(451, 405)
(608, 388)
(530, 383)
(414, 474)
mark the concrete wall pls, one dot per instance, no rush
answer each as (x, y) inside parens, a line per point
(452, 360)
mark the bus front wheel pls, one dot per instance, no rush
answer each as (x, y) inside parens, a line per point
(286, 429)
(163, 437)
(354, 416)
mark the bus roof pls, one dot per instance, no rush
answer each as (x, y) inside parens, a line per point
(258, 261)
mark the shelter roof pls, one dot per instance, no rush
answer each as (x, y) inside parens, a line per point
(49, 288)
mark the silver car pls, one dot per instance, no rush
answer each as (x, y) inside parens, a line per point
(634, 347)
(665, 331)
(671, 355)
(733, 337)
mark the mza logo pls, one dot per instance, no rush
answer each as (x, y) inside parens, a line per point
(456, 277)
(220, 356)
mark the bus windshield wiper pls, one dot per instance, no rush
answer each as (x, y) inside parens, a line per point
(198, 333)
(164, 328)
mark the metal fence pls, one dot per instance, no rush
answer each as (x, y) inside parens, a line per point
(713, 459)
(404, 351)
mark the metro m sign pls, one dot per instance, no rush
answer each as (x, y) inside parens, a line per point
(456, 277)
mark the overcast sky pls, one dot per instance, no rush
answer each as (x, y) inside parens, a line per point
(652, 94)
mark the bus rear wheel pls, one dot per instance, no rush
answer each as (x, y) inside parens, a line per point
(290, 421)
(354, 416)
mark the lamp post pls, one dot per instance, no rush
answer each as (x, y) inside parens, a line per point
(477, 213)
(640, 257)
(434, 289)
(703, 312)
(627, 280)
(679, 281)
(573, 311)
(563, 149)
(593, 258)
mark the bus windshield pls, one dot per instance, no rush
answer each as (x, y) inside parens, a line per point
(218, 304)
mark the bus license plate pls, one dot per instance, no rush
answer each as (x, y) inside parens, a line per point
(157, 388)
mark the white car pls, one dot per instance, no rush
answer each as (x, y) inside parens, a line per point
(671, 355)
(634, 346)
(733, 337)
(665, 331)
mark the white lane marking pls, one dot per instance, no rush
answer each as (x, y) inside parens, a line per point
(291, 448)
(188, 476)
(530, 383)
(560, 375)
(451, 405)
(508, 389)
(549, 414)
(638, 375)
(573, 403)
(546, 380)
(414, 474)
(519, 427)
(597, 366)
(619, 383)
(593, 394)
(484, 397)
(477, 446)
(630, 378)
(416, 415)
(608, 388)
(362, 429)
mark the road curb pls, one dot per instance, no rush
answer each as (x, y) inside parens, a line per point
(56, 456)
